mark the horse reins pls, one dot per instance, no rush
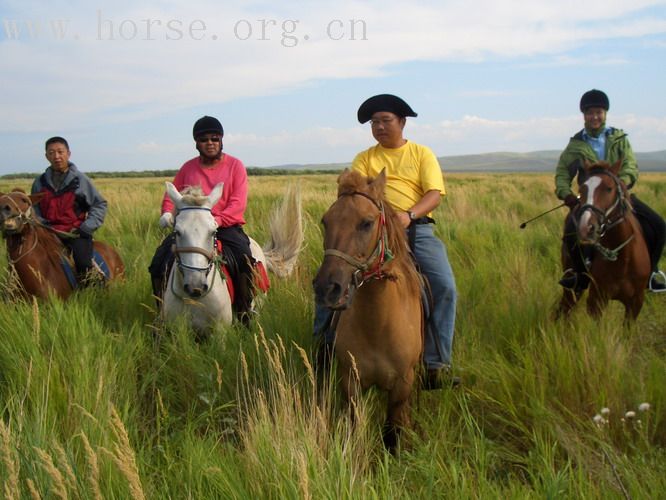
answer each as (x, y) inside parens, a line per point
(604, 217)
(379, 256)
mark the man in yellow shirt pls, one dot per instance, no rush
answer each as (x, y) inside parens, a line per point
(414, 188)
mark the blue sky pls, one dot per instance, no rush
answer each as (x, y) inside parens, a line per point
(124, 81)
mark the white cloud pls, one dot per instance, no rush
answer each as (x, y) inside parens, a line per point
(76, 81)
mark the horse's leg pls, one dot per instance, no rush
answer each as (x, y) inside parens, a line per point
(351, 389)
(567, 302)
(632, 308)
(398, 416)
(596, 301)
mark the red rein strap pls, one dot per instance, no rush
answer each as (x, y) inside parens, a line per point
(383, 255)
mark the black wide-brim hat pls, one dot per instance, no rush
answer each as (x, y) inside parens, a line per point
(384, 102)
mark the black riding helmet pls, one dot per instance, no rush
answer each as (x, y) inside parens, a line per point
(207, 125)
(594, 99)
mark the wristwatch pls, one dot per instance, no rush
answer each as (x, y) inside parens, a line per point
(412, 215)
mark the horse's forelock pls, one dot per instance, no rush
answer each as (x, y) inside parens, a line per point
(599, 166)
(18, 195)
(352, 181)
(194, 196)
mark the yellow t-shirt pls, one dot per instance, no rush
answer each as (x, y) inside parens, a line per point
(411, 171)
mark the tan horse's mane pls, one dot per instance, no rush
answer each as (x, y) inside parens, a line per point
(194, 196)
(353, 182)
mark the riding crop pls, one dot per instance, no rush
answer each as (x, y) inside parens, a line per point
(522, 226)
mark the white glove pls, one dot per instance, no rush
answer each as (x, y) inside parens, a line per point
(166, 220)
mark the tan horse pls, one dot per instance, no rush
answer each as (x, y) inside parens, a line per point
(36, 252)
(368, 275)
(620, 267)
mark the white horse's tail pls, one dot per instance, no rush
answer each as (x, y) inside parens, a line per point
(286, 230)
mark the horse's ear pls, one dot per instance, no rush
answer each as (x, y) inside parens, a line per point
(173, 193)
(34, 198)
(615, 167)
(378, 183)
(215, 194)
(344, 173)
(587, 165)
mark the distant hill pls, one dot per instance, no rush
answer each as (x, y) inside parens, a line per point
(535, 161)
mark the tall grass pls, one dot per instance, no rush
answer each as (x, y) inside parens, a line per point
(99, 402)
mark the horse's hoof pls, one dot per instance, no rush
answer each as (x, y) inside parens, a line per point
(390, 437)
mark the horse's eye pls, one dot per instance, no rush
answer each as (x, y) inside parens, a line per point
(366, 225)
(609, 189)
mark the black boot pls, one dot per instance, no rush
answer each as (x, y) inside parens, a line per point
(243, 300)
(158, 290)
(439, 378)
(575, 281)
(569, 279)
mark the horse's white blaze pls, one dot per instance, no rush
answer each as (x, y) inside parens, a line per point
(592, 184)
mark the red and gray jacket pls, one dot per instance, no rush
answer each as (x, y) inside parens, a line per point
(76, 204)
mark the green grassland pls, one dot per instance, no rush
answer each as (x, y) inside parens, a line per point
(98, 401)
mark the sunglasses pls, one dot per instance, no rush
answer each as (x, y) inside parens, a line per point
(209, 139)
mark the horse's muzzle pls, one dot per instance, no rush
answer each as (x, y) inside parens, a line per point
(333, 295)
(195, 292)
(9, 227)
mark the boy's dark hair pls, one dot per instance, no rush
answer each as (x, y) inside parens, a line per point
(54, 140)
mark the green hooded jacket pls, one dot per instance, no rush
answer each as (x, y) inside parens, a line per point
(577, 151)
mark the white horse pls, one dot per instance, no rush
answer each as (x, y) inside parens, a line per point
(196, 289)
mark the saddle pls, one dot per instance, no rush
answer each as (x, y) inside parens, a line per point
(227, 265)
(99, 267)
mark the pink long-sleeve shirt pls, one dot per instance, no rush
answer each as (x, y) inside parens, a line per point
(230, 210)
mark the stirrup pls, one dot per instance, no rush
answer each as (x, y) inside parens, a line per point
(660, 284)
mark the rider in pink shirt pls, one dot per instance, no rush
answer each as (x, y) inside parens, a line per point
(211, 167)
(229, 170)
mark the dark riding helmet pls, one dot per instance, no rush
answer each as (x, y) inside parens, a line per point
(207, 125)
(594, 99)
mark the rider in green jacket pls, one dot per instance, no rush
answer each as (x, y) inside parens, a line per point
(597, 142)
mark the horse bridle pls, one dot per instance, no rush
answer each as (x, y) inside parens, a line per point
(364, 270)
(605, 222)
(210, 255)
(25, 217)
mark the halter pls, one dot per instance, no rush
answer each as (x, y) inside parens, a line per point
(605, 221)
(210, 255)
(25, 217)
(382, 254)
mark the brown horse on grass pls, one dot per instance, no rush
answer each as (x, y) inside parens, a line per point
(369, 277)
(620, 267)
(36, 252)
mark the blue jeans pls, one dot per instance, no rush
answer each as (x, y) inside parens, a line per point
(431, 257)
